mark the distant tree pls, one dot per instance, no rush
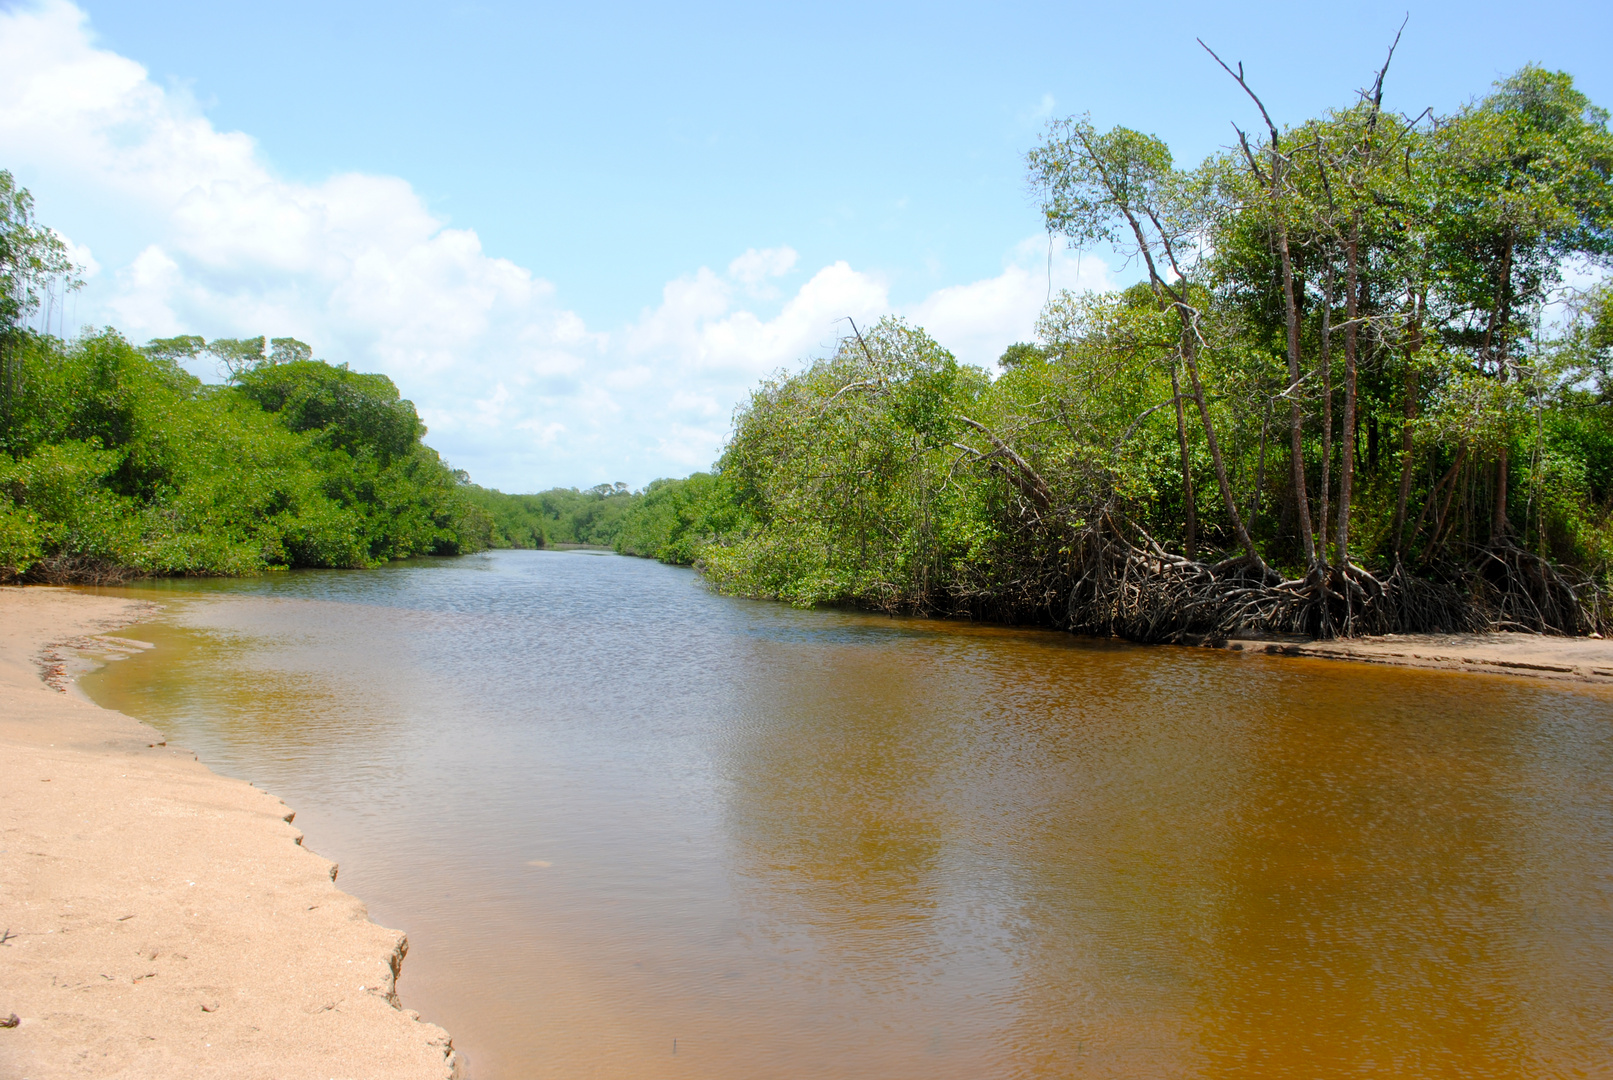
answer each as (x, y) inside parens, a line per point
(1020, 353)
(288, 350)
(237, 356)
(34, 261)
(175, 349)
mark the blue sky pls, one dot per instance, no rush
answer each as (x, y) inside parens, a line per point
(536, 218)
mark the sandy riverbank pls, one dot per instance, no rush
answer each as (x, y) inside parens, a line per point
(1584, 660)
(160, 920)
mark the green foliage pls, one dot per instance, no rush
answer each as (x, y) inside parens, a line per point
(1521, 181)
(1021, 352)
(1099, 186)
(117, 462)
(1420, 259)
(675, 521)
(1356, 311)
(359, 414)
(563, 516)
(841, 474)
(670, 520)
(517, 521)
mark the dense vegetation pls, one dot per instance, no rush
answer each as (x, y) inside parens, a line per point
(1365, 385)
(670, 520)
(115, 462)
(1352, 394)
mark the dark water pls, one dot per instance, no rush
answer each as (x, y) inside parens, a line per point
(613, 810)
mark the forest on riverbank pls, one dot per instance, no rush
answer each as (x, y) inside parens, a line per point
(1356, 391)
(1364, 384)
(672, 520)
(116, 462)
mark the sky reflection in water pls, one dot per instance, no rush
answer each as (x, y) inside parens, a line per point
(614, 810)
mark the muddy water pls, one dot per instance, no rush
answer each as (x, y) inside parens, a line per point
(637, 830)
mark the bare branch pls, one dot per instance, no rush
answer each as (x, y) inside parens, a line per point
(1027, 479)
(861, 342)
(1376, 95)
(1238, 75)
(1248, 155)
(861, 385)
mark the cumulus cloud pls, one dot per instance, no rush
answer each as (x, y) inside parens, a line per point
(978, 320)
(756, 266)
(515, 388)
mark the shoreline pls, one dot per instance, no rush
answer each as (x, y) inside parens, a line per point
(1562, 659)
(159, 919)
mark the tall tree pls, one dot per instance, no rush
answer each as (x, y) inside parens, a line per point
(1272, 175)
(1524, 182)
(34, 261)
(1119, 187)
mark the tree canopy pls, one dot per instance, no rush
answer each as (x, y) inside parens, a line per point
(1351, 393)
(1363, 383)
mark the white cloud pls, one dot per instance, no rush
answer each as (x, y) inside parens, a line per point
(514, 387)
(81, 256)
(756, 266)
(979, 320)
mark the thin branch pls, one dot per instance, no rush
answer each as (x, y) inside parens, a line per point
(1144, 415)
(1377, 85)
(1029, 480)
(1238, 75)
(861, 342)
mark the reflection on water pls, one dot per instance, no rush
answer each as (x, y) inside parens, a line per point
(614, 811)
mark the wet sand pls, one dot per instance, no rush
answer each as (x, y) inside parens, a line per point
(160, 920)
(1560, 658)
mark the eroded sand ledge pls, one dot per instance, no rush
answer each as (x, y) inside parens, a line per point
(1583, 660)
(160, 920)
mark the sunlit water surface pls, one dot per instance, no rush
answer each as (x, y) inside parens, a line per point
(637, 830)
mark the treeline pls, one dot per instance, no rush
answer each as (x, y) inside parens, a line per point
(115, 462)
(1364, 385)
(670, 520)
(1353, 393)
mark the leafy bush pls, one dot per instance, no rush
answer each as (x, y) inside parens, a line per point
(115, 462)
(676, 521)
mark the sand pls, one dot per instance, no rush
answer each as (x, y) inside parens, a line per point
(1582, 660)
(159, 920)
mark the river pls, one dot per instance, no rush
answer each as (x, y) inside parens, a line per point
(636, 830)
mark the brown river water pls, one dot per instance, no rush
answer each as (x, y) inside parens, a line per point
(637, 830)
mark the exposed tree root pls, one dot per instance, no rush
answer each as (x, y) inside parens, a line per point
(79, 570)
(1106, 576)
(1519, 590)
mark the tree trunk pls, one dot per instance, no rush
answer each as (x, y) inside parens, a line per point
(1498, 521)
(5, 392)
(1414, 344)
(1260, 467)
(1444, 511)
(1191, 545)
(1325, 368)
(1169, 298)
(1296, 416)
(1496, 342)
(1231, 500)
(1434, 489)
(1352, 308)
